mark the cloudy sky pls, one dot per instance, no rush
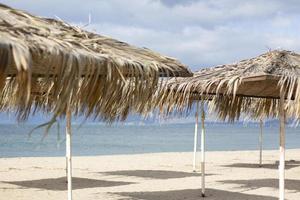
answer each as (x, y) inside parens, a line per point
(200, 33)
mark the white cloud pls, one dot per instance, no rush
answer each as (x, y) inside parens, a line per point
(199, 33)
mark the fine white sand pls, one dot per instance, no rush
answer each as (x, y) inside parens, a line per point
(160, 176)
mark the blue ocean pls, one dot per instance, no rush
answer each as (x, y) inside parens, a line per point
(100, 139)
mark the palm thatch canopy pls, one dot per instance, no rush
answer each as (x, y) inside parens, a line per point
(46, 64)
(252, 86)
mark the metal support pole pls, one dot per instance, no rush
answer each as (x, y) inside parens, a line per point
(69, 152)
(195, 136)
(282, 149)
(260, 142)
(202, 150)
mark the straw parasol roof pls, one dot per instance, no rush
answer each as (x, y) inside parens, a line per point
(47, 63)
(253, 86)
(264, 86)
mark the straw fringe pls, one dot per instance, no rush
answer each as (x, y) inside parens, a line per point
(45, 63)
(222, 84)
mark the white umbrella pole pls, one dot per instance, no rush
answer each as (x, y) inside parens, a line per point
(69, 152)
(202, 150)
(282, 149)
(260, 142)
(195, 136)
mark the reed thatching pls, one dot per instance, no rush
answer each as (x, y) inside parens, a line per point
(46, 64)
(252, 86)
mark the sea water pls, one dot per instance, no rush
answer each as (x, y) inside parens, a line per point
(100, 139)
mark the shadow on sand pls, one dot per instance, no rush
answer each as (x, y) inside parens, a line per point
(61, 184)
(190, 194)
(154, 174)
(290, 184)
(288, 165)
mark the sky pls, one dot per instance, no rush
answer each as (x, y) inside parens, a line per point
(200, 33)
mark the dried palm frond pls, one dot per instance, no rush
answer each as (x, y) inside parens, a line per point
(45, 63)
(251, 86)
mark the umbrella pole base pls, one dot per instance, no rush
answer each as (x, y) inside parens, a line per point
(202, 195)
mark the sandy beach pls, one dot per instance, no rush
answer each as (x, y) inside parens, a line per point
(232, 175)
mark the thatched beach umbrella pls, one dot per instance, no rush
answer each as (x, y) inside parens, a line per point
(59, 61)
(50, 66)
(265, 86)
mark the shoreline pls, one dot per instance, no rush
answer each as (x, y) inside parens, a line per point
(147, 153)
